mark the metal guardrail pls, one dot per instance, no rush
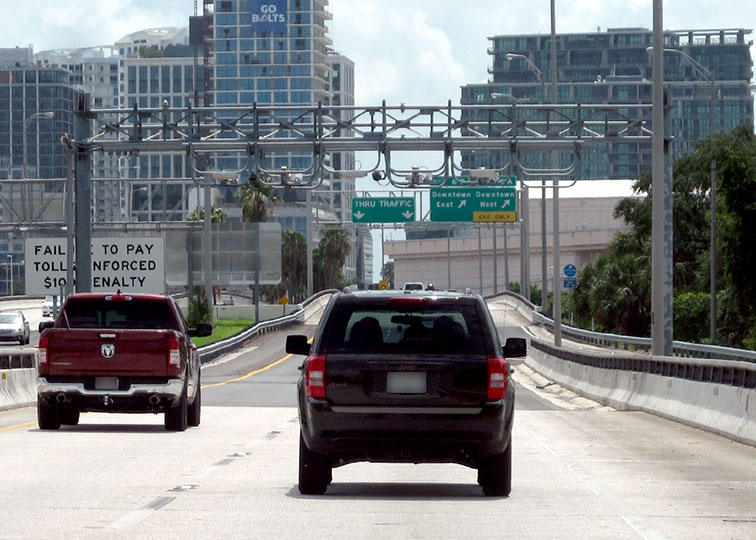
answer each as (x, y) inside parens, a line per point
(17, 359)
(632, 343)
(729, 372)
(214, 350)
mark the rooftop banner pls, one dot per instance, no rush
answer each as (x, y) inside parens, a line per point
(268, 15)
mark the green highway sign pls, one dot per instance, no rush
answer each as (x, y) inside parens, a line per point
(383, 209)
(478, 204)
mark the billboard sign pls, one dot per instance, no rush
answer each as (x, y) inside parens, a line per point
(268, 15)
(131, 264)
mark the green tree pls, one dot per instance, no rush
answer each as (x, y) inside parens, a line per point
(293, 266)
(615, 289)
(328, 259)
(199, 311)
(257, 200)
(217, 215)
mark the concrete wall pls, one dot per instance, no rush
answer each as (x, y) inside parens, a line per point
(723, 409)
(18, 388)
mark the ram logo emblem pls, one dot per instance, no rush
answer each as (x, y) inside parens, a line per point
(108, 350)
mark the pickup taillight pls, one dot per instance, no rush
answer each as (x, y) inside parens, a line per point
(497, 378)
(174, 351)
(315, 383)
(42, 350)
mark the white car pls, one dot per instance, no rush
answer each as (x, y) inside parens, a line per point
(414, 286)
(48, 308)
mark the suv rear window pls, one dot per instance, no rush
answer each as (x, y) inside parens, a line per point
(433, 327)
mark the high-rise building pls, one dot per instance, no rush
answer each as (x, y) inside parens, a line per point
(157, 69)
(94, 70)
(615, 67)
(36, 109)
(283, 57)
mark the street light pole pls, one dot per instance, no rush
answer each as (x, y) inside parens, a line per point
(557, 315)
(47, 115)
(9, 275)
(544, 270)
(709, 74)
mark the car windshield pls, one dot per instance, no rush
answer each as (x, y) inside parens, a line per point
(10, 318)
(433, 328)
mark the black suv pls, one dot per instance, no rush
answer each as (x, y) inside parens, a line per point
(393, 377)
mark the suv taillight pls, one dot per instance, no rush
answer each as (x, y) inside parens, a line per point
(42, 350)
(174, 351)
(497, 378)
(315, 387)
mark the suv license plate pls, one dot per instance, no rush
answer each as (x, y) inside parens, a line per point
(106, 383)
(401, 382)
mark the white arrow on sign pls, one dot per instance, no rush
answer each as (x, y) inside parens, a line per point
(506, 203)
(461, 204)
(359, 215)
(408, 215)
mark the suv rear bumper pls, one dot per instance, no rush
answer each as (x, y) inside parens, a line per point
(137, 398)
(406, 434)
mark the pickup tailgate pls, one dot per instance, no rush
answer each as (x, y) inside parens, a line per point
(109, 352)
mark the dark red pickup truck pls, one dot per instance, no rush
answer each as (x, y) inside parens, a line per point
(120, 353)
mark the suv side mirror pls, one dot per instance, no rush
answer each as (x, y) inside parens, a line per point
(297, 344)
(515, 348)
(202, 330)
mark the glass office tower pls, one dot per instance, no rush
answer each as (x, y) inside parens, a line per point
(614, 67)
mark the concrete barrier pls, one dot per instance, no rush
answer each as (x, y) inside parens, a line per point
(18, 388)
(724, 409)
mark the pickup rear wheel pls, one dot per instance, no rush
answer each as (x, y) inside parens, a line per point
(495, 473)
(314, 470)
(47, 415)
(193, 414)
(176, 416)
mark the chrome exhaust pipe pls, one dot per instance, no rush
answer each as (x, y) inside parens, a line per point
(60, 398)
(154, 399)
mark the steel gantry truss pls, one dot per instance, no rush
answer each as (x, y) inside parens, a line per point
(252, 135)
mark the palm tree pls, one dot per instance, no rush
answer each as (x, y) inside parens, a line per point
(328, 259)
(294, 264)
(257, 200)
(217, 215)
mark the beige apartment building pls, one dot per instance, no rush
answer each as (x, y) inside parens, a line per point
(488, 250)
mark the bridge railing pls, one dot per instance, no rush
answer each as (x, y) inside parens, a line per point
(627, 343)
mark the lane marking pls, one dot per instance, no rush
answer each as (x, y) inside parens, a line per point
(252, 373)
(21, 426)
(132, 518)
(613, 502)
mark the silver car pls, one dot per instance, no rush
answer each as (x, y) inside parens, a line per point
(14, 327)
(48, 309)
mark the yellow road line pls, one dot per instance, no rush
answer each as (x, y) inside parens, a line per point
(250, 374)
(11, 428)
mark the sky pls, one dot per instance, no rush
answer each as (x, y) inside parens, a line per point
(405, 51)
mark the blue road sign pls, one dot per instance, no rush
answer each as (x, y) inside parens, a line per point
(570, 283)
(570, 270)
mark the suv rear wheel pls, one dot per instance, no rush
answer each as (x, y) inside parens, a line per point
(495, 473)
(314, 471)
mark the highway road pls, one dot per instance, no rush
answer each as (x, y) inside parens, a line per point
(581, 470)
